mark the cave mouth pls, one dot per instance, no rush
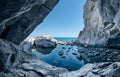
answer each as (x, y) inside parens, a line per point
(63, 25)
(61, 22)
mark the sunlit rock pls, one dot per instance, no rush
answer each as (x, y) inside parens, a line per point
(102, 22)
(27, 44)
(45, 41)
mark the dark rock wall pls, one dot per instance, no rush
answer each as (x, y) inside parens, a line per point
(18, 18)
(102, 23)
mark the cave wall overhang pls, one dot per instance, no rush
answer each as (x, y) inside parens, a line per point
(18, 18)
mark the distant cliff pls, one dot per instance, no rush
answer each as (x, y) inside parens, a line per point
(102, 23)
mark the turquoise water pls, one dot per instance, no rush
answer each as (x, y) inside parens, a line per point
(62, 56)
(65, 56)
(65, 38)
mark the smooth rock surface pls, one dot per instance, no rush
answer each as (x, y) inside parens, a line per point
(16, 63)
(96, 70)
(102, 22)
(27, 44)
(45, 41)
(18, 18)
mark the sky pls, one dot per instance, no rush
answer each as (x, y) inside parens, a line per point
(65, 20)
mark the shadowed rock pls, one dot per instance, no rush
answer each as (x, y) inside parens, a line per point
(16, 63)
(18, 18)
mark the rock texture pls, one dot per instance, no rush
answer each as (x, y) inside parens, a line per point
(18, 18)
(102, 23)
(27, 44)
(16, 63)
(45, 41)
(96, 70)
(96, 55)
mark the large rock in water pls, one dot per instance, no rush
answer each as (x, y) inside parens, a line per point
(18, 18)
(45, 41)
(16, 63)
(102, 23)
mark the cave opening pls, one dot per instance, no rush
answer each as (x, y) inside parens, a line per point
(65, 20)
(63, 24)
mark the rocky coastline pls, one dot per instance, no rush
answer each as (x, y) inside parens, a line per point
(18, 18)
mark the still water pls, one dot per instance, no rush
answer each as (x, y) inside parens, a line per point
(62, 56)
(68, 39)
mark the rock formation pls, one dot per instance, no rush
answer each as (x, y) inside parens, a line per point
(18, 18)
(16, 63)
(27, 44)
(45, 41)
(96, 55)
(102, 23)
(96, 70)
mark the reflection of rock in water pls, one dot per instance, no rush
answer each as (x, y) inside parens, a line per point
(61, 57)
(44, 51)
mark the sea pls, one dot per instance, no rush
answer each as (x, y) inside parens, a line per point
(65, 56)
(66, 38)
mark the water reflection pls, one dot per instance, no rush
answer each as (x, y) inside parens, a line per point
(65, 56)
(44, 51)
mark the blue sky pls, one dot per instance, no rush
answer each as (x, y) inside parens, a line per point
(65, 20)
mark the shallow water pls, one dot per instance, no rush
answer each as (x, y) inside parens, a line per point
(62, 56)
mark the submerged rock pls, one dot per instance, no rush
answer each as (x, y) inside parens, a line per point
(63, 56)
(61, 53)
(74, 53)
(91, 55)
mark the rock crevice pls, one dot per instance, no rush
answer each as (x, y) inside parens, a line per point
(102, 22)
